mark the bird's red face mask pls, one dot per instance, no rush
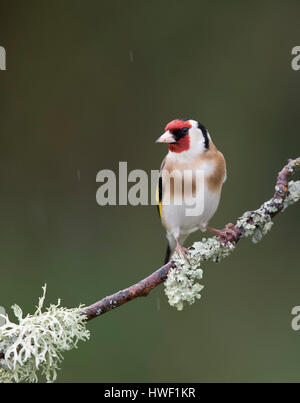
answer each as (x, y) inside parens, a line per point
(176, 135)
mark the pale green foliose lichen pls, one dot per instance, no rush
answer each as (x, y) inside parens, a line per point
(182, 285)
(293, 194)
(35, 344)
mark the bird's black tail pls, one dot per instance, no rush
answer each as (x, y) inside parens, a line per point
(168, 253)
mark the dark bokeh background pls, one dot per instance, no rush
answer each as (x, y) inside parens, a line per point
(91, 83)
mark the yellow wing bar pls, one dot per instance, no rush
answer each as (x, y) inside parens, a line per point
(158, 195)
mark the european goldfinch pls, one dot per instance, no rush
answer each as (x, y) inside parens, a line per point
(190, 149)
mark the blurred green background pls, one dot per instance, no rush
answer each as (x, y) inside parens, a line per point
(91, 83)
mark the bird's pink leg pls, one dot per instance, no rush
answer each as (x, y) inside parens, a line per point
(225, 235)
(181, 249)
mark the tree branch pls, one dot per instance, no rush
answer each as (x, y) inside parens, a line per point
(142, 288)
(21, 358)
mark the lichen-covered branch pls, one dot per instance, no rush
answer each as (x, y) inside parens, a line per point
(182, 284)
(37, 341)
(182, 276)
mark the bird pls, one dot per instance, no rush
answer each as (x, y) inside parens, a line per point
(190, 150)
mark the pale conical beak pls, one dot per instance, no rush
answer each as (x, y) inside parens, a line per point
(167, 137)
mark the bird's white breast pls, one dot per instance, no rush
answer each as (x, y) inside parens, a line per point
(178, 218)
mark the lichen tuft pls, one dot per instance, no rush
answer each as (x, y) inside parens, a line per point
(35, 345)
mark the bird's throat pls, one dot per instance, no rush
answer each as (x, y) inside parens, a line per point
(182, 144)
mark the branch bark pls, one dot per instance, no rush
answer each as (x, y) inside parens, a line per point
(143, 287)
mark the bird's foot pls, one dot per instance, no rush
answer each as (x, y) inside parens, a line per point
(181, 250)
(228, 234)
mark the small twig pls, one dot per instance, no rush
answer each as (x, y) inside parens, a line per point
(145, 286)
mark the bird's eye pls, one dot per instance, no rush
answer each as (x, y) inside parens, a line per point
(179, 133)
